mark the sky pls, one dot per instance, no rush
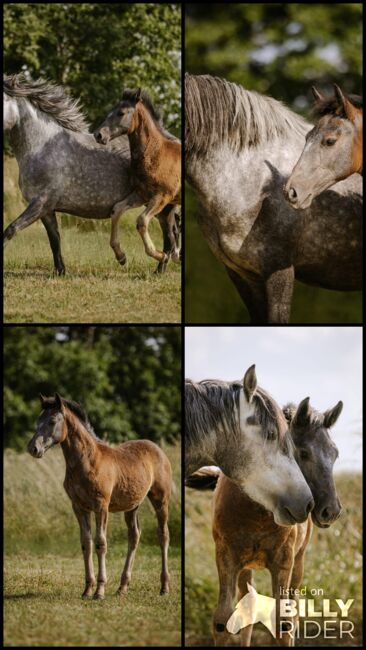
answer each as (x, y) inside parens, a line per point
(324, 363)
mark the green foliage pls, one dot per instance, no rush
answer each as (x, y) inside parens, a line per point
(278, 49)
(126, 378)
(97, 49)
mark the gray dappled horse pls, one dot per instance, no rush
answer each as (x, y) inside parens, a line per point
(239, 427)
(333, 148)
(240, 149)
(61, 166)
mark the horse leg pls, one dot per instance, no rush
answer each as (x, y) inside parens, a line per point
(281, 576)
(245, 576)
(134, 533)
(174, 235)
(279, 287)
(252, 293)
(38, 207)
(153, 208)
(84, 519)
(132, 201)
(101, 518)
(228, 575)
(50, 223)
(296, 578)
(161, 507)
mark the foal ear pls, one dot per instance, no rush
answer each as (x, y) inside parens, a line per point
(317, 95)
(138, 95)
(250, 383)
(42, 399)
(331, 416)
(302, 415)
(58, 401)
(349, 110)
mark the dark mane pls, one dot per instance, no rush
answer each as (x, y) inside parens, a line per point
(129, 96)
(214, 404)
(316, 418)
(48, 98)
(333, 106)
(76, 409)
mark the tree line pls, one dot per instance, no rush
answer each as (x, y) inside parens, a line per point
(128, 379)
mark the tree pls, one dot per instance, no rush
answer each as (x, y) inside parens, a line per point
(97, 49)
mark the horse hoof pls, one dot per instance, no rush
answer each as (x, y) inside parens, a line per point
(164, 592)
(98, 597)
(122, 260)
(86, 596)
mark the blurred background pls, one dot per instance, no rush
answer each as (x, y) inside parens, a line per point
(278, 49)
(128, 381)
(324, 363)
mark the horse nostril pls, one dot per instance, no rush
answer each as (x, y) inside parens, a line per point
(325, 514)
(292, 194)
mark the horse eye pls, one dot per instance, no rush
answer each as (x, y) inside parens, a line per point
(330, 142)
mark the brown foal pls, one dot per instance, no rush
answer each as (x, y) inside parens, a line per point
(102, 479)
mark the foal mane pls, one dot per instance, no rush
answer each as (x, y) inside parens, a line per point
(129, 96)
(76, 409)
(212, 403)
(218, 112)
(49, 98)
(333, 106)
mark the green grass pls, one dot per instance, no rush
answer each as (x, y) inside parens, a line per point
(332, 562)
(96, 288)
(44, 571)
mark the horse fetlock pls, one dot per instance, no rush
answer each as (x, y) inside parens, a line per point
(122, 259)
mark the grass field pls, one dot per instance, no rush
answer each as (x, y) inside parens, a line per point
(44, 571)
(332, 562)
(96, 289)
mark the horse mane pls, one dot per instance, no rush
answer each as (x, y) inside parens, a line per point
(333, 106)
(212, 404)
(316, 418)
(219, 112)
(49, 98)
(77, 410)
(129, 96)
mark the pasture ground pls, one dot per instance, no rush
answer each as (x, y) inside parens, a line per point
(332, 562)
(44, 570)
(95, 289)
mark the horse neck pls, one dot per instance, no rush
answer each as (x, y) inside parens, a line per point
(32, 131)
(78, 446)
(144, 132)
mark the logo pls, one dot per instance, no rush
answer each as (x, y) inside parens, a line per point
(255, 608)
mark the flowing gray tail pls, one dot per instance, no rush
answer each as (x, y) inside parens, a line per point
(204, 479)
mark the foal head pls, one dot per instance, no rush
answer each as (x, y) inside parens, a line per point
(316, 454)
(122, 118)
(333, 148)
(51, 426)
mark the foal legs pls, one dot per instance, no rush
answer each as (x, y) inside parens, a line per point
(228, 575)
(161, 507)
(101, 519)
(84, 519)
(132, 201)
(245, 576)
(134, 533)
(154, 206)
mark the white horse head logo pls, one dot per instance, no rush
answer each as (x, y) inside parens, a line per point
(253, 608)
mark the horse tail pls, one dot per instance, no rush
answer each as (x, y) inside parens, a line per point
(204, 479)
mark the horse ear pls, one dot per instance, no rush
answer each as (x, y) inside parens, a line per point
(138, 95)
(331, 416)
(250, 383)
(58, 401)
(344, 103)
(42, 399)
(302, 415)
(317, 95)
